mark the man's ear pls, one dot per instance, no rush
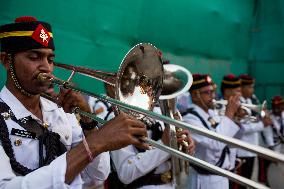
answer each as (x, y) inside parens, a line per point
(194, 94)
(5, 59)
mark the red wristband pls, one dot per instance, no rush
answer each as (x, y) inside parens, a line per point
(88, 149)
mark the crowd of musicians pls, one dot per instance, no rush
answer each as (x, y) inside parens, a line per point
(45, 145)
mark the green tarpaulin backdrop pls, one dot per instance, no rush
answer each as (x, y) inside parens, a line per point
(216, 37)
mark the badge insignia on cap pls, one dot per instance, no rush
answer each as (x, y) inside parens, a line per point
(208, 79)
(41, 35)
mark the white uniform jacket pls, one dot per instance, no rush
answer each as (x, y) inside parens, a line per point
(209, 149)
(53, 175)
(219, 113)
(131, 165)
(249, 133)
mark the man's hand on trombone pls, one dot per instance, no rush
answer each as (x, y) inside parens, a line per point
(185, 141)
(117, 133)
(120, 132)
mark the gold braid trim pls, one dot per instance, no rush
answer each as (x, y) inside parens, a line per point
(231, 82)
(19, 34)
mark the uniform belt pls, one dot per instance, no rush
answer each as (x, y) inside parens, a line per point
(148, 179)
(201, 170)
(151, 179)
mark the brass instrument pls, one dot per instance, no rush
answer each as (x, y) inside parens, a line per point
(147, 84)
(177, 80)
(248, 108)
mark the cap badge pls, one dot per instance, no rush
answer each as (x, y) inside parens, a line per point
(41, 35)
(208, 79)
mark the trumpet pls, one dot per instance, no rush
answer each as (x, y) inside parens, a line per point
(260, 109)
(138, 84)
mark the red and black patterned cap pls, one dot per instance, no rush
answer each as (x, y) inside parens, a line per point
(230, 81)
(246, 79)
(25, 34)
(200, 80)
(277, 100)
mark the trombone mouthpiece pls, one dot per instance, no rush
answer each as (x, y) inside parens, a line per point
(44, 77)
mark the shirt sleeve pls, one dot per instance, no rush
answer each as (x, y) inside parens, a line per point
(268, 136)
(247, 128)
(131, 165)
(226, 127)
(47, 177)
(99, 169)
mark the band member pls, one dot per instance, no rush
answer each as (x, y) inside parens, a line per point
(273, 137)
(250, 128)
(230, 86)
(277, 116)
(136, 168)
(201, 114)
(101, 108)
(41, 145)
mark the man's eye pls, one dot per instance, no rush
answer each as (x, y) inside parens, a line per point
(51, 60)
(33, 57)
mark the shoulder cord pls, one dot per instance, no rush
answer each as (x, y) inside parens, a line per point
(225, 150)
(49, 139)
(6, 143)
(109, 111)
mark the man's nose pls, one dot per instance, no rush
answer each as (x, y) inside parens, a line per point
(46, 66)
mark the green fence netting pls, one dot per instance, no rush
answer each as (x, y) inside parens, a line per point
(216, 37)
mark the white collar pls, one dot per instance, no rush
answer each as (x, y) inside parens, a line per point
(200, 111)
(19, 109)
(245, 100)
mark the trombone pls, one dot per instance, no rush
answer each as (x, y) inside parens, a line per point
(177, 80)
(143, 77)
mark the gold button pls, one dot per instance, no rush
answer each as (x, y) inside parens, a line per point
(17, 142)
(129, 161)
(166, 177)
(45, 125)
(179, 130)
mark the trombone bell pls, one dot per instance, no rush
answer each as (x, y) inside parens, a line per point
(182, 81)
(140, 77)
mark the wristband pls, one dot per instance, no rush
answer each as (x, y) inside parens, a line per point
(88, 126)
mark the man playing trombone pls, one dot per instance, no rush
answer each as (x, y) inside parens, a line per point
(150, 169)
(41, 146)
(201, 114)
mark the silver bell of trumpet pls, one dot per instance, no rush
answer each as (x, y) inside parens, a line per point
(248, 108)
